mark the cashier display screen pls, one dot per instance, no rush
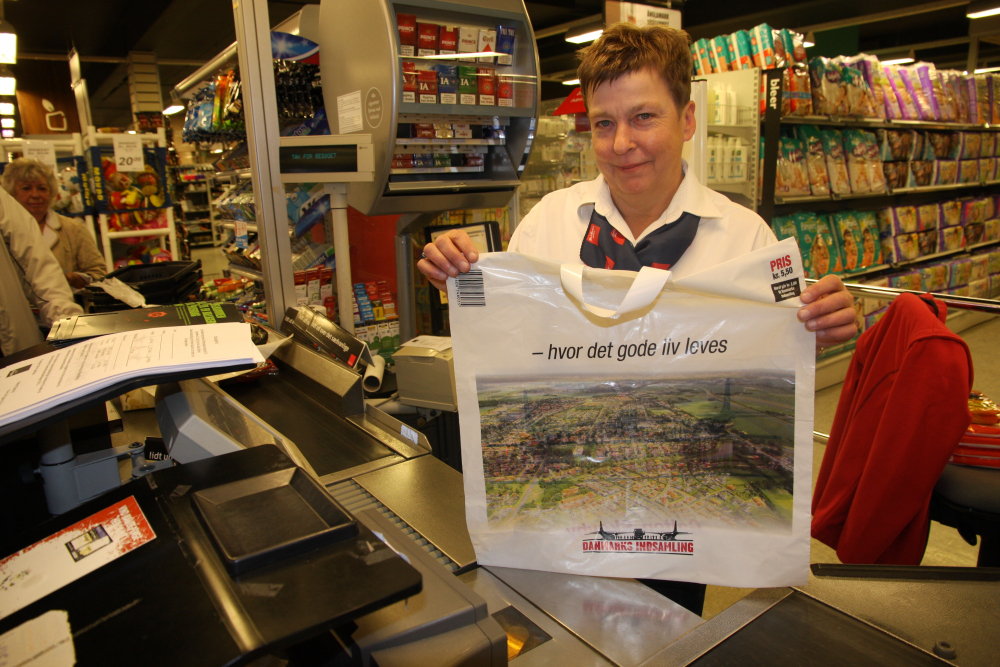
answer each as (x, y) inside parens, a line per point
(318, 159)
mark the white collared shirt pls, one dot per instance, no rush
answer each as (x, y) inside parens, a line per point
(555, 227)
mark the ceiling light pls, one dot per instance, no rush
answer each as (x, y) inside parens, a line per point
(130, 132)
(984, 70)
(8, 42)
(8, 84)
(978, 10)
(897, 61)
(571, 82)
(6, 109)
(809, 40)
(172, 109)
(7, 123)
(898, 57)
(584, 34)
(7, 134)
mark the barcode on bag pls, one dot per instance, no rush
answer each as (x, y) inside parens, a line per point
(469, 288)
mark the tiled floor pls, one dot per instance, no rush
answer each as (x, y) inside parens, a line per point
(944, 546)
(212, 261)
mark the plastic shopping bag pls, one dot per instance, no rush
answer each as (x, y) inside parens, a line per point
(620, 424)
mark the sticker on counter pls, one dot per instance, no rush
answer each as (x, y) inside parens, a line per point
(349, 112)
(409, 434)
(62, 558)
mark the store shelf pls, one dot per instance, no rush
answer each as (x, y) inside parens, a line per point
(232, 226)
(847, 121)
(740, 131)
(744, 188)
(890, 192)
(437, 143)
(236, 173)
(246, 272)
(438, 170)
(463, 110)
(441, 150)
(916, 261)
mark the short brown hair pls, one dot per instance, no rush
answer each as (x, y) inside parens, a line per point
(624, 48)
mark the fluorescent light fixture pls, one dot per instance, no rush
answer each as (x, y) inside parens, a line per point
(172, 109)
(979, 10)
(984, 70)
(898, 57)
(585, 33)
(453, 56)
(898, 61)
(7, 123)
(8, 84)
(809, 40)
(6, 109)
(130, 132)
(571, 82)
(217, 150)
(7, 134)
(8, 43)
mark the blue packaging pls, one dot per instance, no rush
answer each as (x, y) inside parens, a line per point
(447, 83)
(505, 45)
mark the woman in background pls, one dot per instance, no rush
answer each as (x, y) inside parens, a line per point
(34, 186)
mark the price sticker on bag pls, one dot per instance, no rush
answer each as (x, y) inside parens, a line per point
(43, 151)
(128, 152)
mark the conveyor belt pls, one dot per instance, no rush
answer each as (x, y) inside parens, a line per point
(329, 443)
(355, 499)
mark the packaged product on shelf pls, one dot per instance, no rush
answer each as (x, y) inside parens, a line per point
(468, 42)
(950, 238)
(407, 26)
(993, 262)
(443, 131)
(848, 231)
(871, 250)
(945, 172)
(447, 83)
(720, 46)
(951, 213)
(860, 100)
(970, 145)
(874, 77)
(739, 50)
(448, 40)
(991, 230)
(995, 286)
(951, 85)
(973, 210)
(836, 164)
(907, 106)
(442, 160)
(933, 278)
(828, 89)
(402, 161)
(974, 233)
(975, 111)
(962, 94)
(911, 280)
(911, 81)
(927, 241)
(505, 91)
(505, 44)
(487, 42)
(695, 60)
(422, 130)
(762, 46)
(796, 173)
(462, 131)
(923, 76)
(820, 252)
(983, 101)
(713, 62)
(796, 93)
(873, 163)
(895, 145)
(468, 86)
(895, 220)
(895, 173)
(784, 227)
(959, 272)
(474, 160)
(869, 305)
(856, 153)
(980, 289)
(427, 39)
(968, 171)
(904, 247)
(427, 86)
(928, 217)
(922, 172)
(409, 81)
(988, 143)
(819, 179)
(938, 145)
(700, 51)
(487, 86)
(980, 267)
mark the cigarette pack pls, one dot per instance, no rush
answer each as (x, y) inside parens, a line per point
(505, 45)
(409, 81)
(448, 39)
(487, 87)
(467, 87)
(407, 25)
(505, 91)
(427, 39)
(473, 159)
(462, 131)
(402, 161)
(427, 87)
(442, 160)
(468, 41)
(423, 131)
(448, 83)
(487, 42)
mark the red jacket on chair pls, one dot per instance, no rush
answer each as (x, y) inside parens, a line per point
(902, 411)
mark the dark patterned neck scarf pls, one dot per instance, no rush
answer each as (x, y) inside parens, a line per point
(605, 248)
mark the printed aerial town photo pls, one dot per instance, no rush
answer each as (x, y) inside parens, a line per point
(573, 454)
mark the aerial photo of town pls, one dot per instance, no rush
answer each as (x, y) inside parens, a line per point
(705, 450)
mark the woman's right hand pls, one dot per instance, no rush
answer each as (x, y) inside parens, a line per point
(450, 254)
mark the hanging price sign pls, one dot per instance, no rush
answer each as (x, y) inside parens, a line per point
(43, 151)
(128, 152)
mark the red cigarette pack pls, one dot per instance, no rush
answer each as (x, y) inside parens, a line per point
(505, 91)
(448, 39)
(407, 25)
(487, 86)
(427, 39)
(427, 86)
(409, 81)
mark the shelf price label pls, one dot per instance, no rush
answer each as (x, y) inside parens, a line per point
(128, 152)
(242, 240)
(43, 151)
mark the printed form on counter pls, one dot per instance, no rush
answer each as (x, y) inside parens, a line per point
(48, 380)
(624, 424)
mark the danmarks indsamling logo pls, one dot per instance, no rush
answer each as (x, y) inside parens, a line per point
(639, 541)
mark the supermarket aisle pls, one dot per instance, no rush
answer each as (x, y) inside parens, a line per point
(944, 546)
(213, 262)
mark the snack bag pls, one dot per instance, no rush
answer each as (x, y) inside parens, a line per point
(907, 107)
(945, 172)
(819, 178)
(928, 216)
(951, 213)
(871, 254)
(968, 171)
(720, 46)
(836, 164)
(762, 46)
(925, 76)
(796, 94)
(873, 163)
(798, 174)
(856, 153)
(848, 232)
(828, 90)
(820, 252)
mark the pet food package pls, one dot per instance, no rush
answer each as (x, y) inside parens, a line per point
(820, 250)
(871, 249)
(836, 164)
(848, 231)
(601, 342)
(856, 153)
(819, 179)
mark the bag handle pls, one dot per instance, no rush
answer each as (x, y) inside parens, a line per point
(646, 286)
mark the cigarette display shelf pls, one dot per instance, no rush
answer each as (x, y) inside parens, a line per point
(251, 228)
(234, 173)
(426, 142)
(879, 123)
(471, 110)
(889, 192)
(440, 150)
(438, 170)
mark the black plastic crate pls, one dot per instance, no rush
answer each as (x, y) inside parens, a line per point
(155, 277)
